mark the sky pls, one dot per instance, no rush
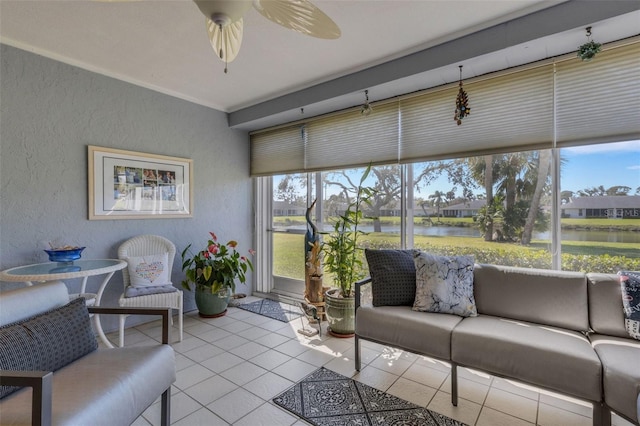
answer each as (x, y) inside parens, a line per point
(607, 165)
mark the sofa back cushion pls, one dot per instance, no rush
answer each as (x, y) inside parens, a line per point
(542, 296)
(393, 277)
(605, 305)
(26, 302)
(46, 342)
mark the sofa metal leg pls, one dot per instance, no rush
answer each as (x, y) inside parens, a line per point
(357, 347)
(165, 404)
(601, 414)
(454, 384)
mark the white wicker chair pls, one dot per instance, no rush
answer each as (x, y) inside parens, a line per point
(145, 245)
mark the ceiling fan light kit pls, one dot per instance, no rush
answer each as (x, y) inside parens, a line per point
(225, 24)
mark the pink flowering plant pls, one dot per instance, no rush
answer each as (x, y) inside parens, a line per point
(215, 268)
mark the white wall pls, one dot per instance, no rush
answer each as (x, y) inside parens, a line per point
(50, 112)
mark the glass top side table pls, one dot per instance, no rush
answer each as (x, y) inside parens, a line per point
(52, 271)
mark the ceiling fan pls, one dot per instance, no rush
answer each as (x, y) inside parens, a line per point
(224, 21)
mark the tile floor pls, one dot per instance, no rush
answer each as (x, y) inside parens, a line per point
(229, 369)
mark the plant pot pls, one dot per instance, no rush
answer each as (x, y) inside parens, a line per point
(341, 313)
(212, 305)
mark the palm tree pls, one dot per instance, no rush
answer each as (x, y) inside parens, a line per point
(437, 198)
(544, 167)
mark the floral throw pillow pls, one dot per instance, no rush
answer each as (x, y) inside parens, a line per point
(444, 284)
(630, 286)
(149, 271)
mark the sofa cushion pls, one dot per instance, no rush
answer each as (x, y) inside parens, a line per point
(605, 305)
(621, 365)
(554, 358)
(393, 277)
(107, 387)
(444, 284)
(556, 298)
(149, 271)
(630, 286)
(400, 326)
(47, 342)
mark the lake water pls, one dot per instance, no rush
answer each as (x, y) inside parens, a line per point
(626, 237)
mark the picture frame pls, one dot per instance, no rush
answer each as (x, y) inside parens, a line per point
(136, 185)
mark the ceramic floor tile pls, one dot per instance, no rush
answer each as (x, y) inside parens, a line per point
(141, 421)
(294, 370)
(235, 405)
(619, 421)
(271, 340)
(243, 373)
(291, 347)
(342, 365)
(191, 375)
(197, 328)
(237, 326)
(512, 386)
(203, 352)
(188, 344)
(412, 391)
(515, 405)
(202, 417)
(253, 333)
(490, 417)
(567, 403)
(466, 411)
(268, 386)
(427, 376)
(230, 342)
(391, 364)
(249, 350)
(376, 378)
(222, 362)
(468, 389)
(436, 364)
(553, 416)
(214, 335)
(183, 362)
(315, 357)
(270, 359)
(267, 415)
(181, 406)
(210, 389)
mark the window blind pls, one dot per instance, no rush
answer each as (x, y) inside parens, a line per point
(277, 151)
(599, 101)
(512, 110)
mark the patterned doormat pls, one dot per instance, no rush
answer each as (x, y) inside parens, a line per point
(326, 398)
(270, 308)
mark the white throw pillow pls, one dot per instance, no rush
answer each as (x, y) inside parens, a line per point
(146, 271)
(444, 284)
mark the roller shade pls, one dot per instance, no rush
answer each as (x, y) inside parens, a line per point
(511, 110)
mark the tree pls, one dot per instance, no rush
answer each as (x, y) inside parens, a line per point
(544, 167)
(566, 196)
(437, 199)
(618, 190)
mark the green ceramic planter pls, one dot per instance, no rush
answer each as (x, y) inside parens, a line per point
(212, 305)
(341, 313)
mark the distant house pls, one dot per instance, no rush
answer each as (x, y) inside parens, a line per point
(466, 209)
(283, 208)
(612, 207)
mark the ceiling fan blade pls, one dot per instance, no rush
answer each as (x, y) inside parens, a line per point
(299, 15)
(225, 40)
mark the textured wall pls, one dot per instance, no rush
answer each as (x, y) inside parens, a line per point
(50, 112)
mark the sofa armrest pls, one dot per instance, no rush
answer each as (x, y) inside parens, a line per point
(164, 312)
(358, 285)
(41, 382)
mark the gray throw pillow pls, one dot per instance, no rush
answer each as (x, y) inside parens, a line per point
(630, 286)
(393, 277)
(46, 342)
(444, 284)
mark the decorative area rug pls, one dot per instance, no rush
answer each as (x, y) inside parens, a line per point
(326, 398)
(270, 308)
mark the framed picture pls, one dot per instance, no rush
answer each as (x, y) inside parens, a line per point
(136, 185)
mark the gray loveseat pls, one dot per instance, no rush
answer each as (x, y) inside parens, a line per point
(53, 374)
(562, 331)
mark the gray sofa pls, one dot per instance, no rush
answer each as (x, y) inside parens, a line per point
(52, 372)
(562, 331)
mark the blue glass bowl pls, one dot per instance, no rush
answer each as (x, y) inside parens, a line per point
(68, 255)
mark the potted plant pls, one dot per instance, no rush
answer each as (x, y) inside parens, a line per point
(343, 259)
(212, 273)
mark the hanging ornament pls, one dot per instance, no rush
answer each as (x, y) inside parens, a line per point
(588, 51)
(462, 103)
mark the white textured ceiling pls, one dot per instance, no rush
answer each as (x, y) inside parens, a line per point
(163, 45)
